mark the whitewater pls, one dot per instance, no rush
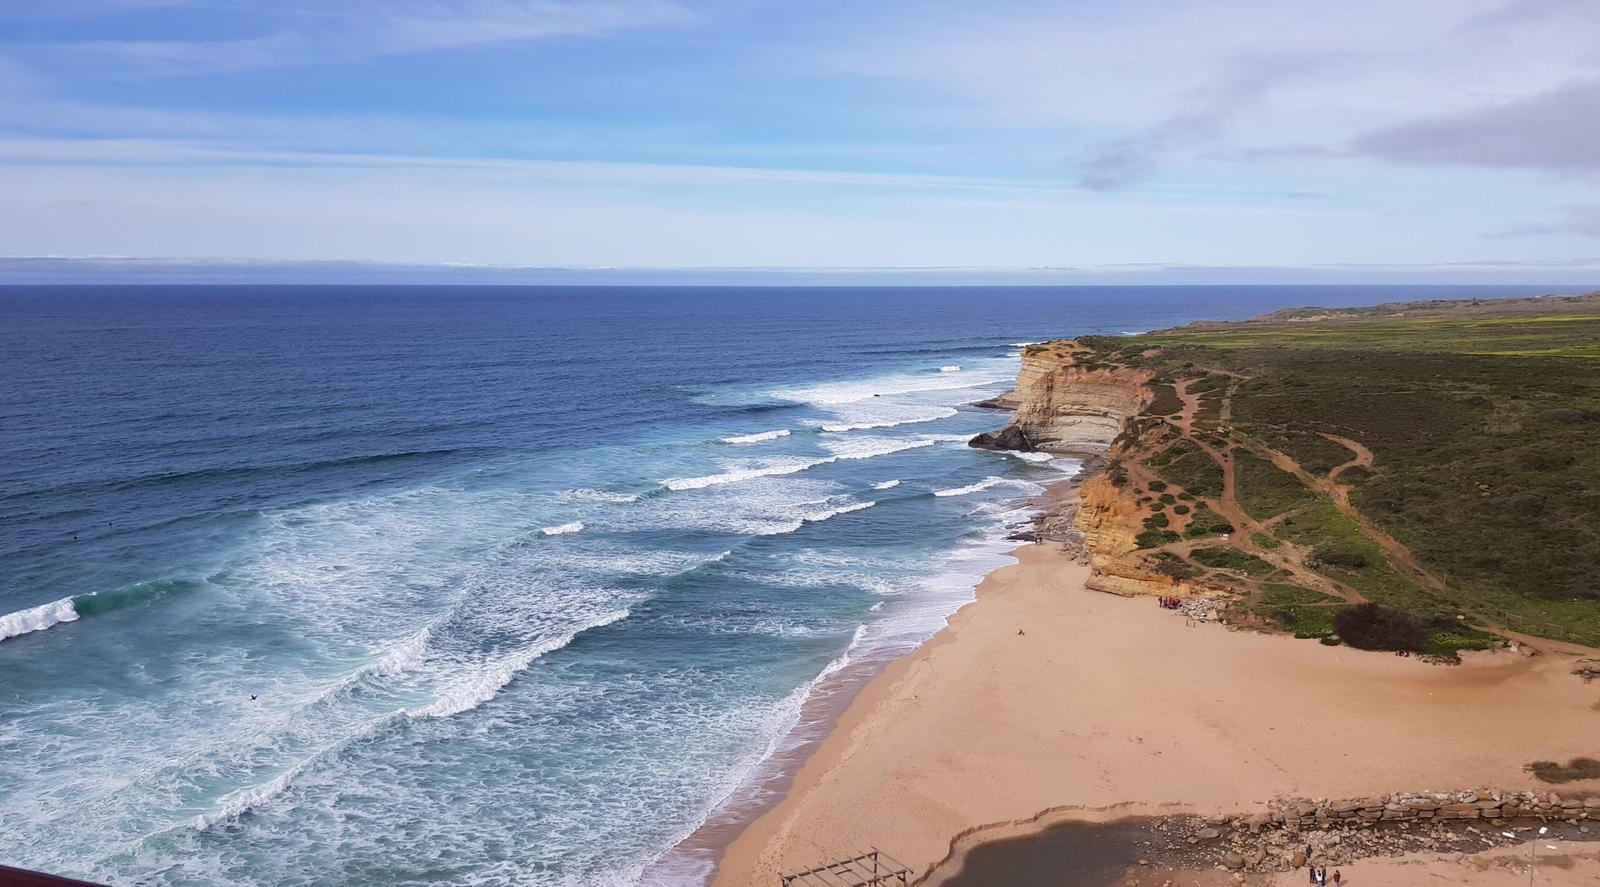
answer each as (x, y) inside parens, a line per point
(475, 587)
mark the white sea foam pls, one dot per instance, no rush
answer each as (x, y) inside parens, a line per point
(236, 803)
(819, 516)
(599, 495)
(950, 369)
(37, 618)
(849, 423)
(563, 529)
(855, 391)
(870, 447)
(403, 656)
(886, 485)
(1035, 457)
(987, 483)
(780, 725)
(484, 684)
(756, 438)
(735, 475)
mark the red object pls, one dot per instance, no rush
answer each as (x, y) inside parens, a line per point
(10, 877)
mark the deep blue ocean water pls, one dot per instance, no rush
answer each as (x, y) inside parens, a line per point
(434, 585)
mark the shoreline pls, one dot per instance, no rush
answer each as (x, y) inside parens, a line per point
(1106, 707)
(698, 858)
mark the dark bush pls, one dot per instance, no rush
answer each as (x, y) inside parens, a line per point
(1154, 538)
(1157, 486)
(1525, 504)
(1375, 627)
(1336, 555)
(1562, 417)
(1156, 522)
(1545, 458)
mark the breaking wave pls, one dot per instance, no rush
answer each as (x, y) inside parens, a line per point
(485, 684)
(880, 422)
(37, 618)
(985, 484)
(733, 476)
(463, 696)
(592, 495)
(818, 516)
(563, 529)
(756, 438)
(886, 484)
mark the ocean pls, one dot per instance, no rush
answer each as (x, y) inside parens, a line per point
(495, 585)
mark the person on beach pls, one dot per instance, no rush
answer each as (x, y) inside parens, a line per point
(1337, 878)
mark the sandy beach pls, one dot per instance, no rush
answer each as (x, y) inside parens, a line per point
(1044, 702)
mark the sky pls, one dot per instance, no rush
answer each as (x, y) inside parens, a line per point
(1171, 139)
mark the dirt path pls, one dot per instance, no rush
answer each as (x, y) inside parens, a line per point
(1287, 557)
(1396, 553)
(1362, 458)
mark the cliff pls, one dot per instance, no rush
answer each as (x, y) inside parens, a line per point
(1109, 521)
(1067, 404)
(1064, 407)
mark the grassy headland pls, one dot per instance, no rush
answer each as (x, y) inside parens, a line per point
(1438, 459)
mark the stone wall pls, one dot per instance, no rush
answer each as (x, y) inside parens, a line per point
(1487, 804)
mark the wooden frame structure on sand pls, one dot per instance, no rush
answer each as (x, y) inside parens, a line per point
(871, 869)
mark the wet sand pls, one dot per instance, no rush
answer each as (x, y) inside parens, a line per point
(1043, 701)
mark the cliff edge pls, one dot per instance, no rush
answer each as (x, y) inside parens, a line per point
(1065, 404)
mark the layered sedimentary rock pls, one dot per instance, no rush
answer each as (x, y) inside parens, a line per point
(1109, 521)
(1066, 408)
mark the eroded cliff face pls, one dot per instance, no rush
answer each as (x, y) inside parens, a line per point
(1064, 407)
(1067, 404)
(1110, 520)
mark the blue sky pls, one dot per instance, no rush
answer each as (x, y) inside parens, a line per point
(1409, 138)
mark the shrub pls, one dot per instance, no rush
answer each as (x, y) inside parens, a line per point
(1169, 564)
(1207, 523)
(1156, 522)
(1335, 554)
(1376, 627)
(1232, 559)
(1157, 486)
(1155, 538)
(1545, 458)
(1562, 417)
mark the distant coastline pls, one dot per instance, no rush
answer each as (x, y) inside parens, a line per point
(1491, 279)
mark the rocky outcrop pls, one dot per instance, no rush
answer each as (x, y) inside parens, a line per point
(1296, 831)
(1064, 407)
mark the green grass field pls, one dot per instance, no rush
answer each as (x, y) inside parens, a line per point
(1484, 422)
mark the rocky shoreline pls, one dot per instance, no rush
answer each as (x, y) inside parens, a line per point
(1338, 832)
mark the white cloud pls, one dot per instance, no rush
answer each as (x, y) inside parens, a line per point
(1125, 85)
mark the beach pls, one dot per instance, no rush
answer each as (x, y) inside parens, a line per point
(1044, 702)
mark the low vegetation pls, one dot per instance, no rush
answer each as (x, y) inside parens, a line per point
(1480, 498)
